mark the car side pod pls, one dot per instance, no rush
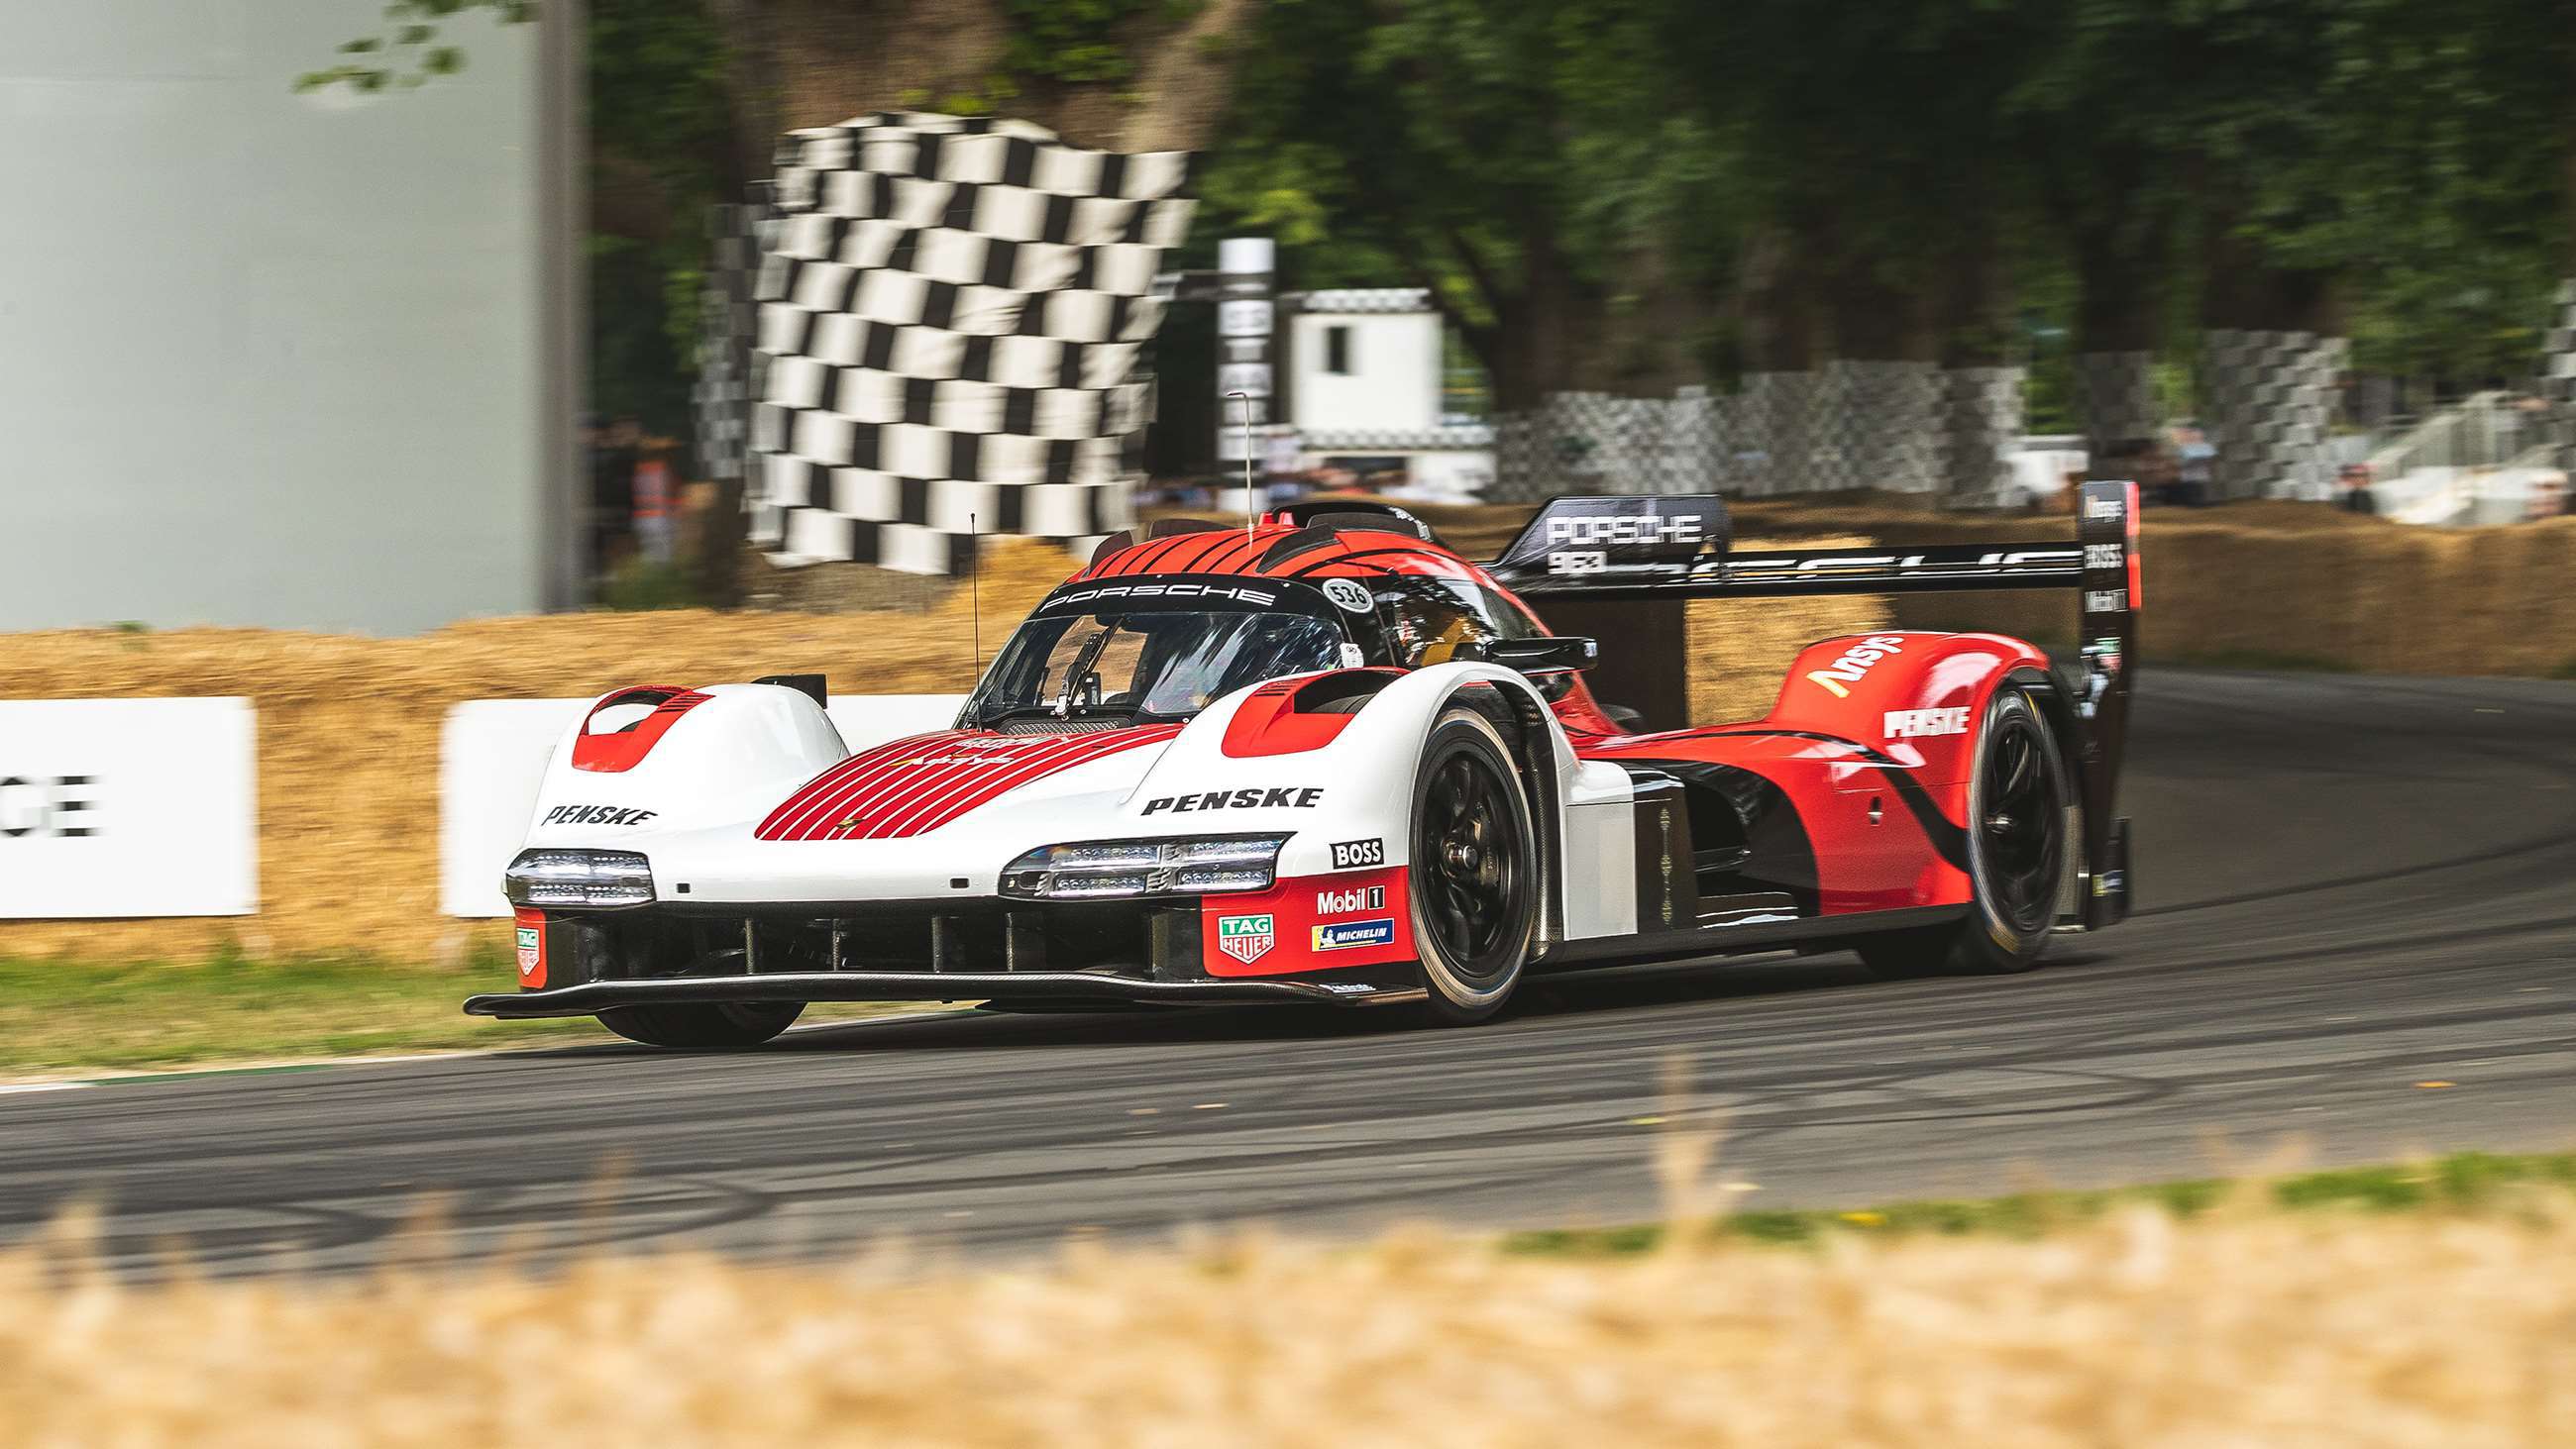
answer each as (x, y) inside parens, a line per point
(1669, 549)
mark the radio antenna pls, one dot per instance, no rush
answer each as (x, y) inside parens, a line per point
(1247, 460)
(975, 590)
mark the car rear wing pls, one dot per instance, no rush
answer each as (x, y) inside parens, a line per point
(1589, 550)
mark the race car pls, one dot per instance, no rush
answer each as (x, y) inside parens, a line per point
(1320, 757)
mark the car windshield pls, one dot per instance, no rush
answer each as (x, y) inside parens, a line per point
(1166, 663)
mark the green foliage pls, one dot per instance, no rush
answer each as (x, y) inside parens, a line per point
(1073, 41)
(1515, 156)
(410, 53)
(2462, 1182)
(639, 585)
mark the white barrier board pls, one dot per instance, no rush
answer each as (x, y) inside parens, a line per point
(492, 758)
(128, 807)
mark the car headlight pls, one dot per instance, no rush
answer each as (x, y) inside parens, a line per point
(597, 878)
(1099, 870)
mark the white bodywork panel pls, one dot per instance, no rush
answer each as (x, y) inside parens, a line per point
(729, 761)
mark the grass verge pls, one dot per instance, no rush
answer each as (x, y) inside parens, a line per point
(2466, 1180)
(2254, 1326)
(63, 1017)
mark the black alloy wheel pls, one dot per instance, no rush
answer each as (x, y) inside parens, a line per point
(2020, 824)
(1474, 873)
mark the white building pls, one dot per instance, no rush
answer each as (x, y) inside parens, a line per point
(1363, 391)
(281, 359)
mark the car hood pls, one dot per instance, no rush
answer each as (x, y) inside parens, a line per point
(917, 784)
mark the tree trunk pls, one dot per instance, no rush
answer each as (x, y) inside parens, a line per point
(2274, 357)
(820, 62)
(1880, 420)
(1982, 390)
(1781, 330)
(2118, 322)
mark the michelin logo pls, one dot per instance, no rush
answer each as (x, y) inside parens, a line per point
(1343, 935)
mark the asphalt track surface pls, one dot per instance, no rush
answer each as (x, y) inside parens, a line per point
(2348, 888)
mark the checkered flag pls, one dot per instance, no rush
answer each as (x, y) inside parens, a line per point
(2558, 364)
(950, 317)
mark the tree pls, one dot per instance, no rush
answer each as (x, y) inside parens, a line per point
(1521, 159)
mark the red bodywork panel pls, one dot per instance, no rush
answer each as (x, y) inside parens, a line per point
(1871, 740)
(919, 783)
(1269, 722)
(531, 928)
(1314, 923)
(620, 750)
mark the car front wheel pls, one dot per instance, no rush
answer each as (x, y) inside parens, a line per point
(1474, 873)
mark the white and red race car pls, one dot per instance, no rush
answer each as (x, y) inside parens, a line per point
(1326, 759)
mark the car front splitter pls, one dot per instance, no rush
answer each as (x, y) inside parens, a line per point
(590, 997)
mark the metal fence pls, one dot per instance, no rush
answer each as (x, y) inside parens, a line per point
(1906, 427)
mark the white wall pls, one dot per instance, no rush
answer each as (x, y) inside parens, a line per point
(1395, 372)
(265, 359)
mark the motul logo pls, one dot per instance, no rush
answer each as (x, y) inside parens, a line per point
(1856, 663)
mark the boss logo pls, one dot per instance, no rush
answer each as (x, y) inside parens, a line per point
(1357, 898)
(1351, 854)
(2102, 556)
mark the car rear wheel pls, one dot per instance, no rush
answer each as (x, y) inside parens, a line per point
(2018, 795)
(703, 1027)
(1474, 873)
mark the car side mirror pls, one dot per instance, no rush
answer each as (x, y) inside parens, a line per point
(1544, 654)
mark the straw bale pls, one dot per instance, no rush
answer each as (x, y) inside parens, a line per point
(348, 732)
(2415, 1331)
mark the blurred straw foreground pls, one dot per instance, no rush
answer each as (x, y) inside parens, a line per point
(2246, 1327)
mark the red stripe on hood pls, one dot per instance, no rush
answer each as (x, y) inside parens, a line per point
(918, 784)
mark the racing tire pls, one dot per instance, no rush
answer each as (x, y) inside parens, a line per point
(2019, 796)
(723, 1026)
(1473, 882)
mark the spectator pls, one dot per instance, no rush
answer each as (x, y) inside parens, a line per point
(655, 494)
(612, 495)
(2353, 481)
(2195, 462)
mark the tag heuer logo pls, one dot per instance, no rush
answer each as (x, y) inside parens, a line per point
(1245, 938)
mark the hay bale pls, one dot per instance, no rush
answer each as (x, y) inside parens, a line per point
(349, 736)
